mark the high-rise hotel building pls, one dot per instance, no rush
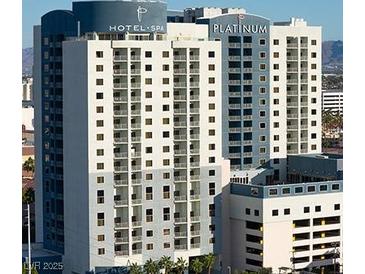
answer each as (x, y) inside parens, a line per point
(131, 136)
(135, 108)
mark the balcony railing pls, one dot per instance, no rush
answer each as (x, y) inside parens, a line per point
(120, 58)
(121, 203)
(120, 71)
(195, 245)
(136, 251)
(122, 253)
(121, 155)
(194, 70)
(135, 57)
(180, 97)
(181, 220)
(137, 238)
(181, 247)
(181, 234)
(135, 71)
(120, 112)
(180, 84)
(180, 71)
(121, 168)
(121, 182)
(195, 218)
(180, 58)
(122, 240)
(234, 58)
(121, 140)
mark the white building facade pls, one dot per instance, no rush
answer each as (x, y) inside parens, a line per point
(332, 100)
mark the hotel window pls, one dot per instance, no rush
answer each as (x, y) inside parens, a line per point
(248, 211)
(313, 111)
(149, 215)
(211, 93)
(287, 211)
(313, 89)
(262, 102)
(276, 78)
(166, 231)
(211, 80)
(165, 121)
(101, 238)
(148, 94)
(262, 55)
(335, 187)
(276, 90)
(165, 54)
(99, 82)
(100, 166)
(276, 101)
(165, 67)
(99, 109)
(100, 180)
(311, 189)
(262, 113)
(166, 175)
(306, 209)
(149, 195)
(314, 77)
(165, 149)
(211, 132)
(148, 67)
(100, 197)
(166, 214)
(149, 233)
(275, 212)
(211, 210)
(314, 55)
(166, 192)
(298, 189)
(148, 150)
(148, 121)
(148, 108)
(99, 54)
(276, 66)
(337, 207)
(313, 136)
(100, 219)
(313, 66)
(99, 137)
(273, 191)
(211, 160)
(262, 150)
(165, 94)
(285, 190)
(262, 78)
(313, 100)
(166, 245)
(211, 54)
(262, 42)
(211, 146)
(276, 42)
(212, 172)
(276, 149)
(262, 138)
(276, 54)
(212, 188)
(149, 246)
(276, 113)
(148, 54)
(166, 162)
(148, 81)
(166, 134)
(148, 135)
(314, 147)
(211, 67)
(101, 251)
(317, 209)
(99, 95)
(262, 125)
(100, 152)
(211, 119)
(165, 81)
(149, 163)
(313, 123)
(262, 90)
(99, 123)
(99, 68)
(165, 107)
(149, 176)
(211, 106)
(323, 188)
(262, 66)
(313, 42)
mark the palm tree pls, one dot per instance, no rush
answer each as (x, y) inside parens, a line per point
(151, 267)
(135, 269)
(209, 261)
(197, 266)
(28, 196)
(29, 165)
(166, 263)
(181, 265)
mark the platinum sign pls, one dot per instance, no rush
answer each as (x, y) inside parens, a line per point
(236, 28)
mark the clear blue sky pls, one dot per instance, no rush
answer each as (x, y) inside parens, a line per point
(327, 13)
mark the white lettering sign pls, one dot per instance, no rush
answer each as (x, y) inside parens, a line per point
(235, 28)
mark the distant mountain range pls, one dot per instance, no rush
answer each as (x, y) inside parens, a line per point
(332, 57)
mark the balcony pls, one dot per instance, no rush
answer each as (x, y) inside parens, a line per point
(247, 45)
(120, 126)
(234, 58)
(235, 130)
(235, 94)
(194, 71)
(247, 117)
(180, 110)
(180, 71)
(180, 124)
(135, 71)
(194, 57)
(136, 181)
(194, 151)
(180, 165)
(121, 140)
(136, 139)
(293, 70)
(234, 45)
(136, 223)
(136, 85)
(120, 182)
(194, 97)
(195, 245)
(292, 45)
(292, 58)
(292, 140)
(120, 71)
(292, 81)
(121, 224)
(119, 155)
(180, 178)
(136, 112)
(234, 143)
(181, 247)
(121, 240)
(135, 57)
(234, 155)
(195, 219)
(194, 110)
(292, 104)
(120, 112)
(180, 137)
(123, 99)
(234, 82)
(121, 168)
(180, 198)
(120, 58)
(194, 177)
(247, 129)
(234, 70)
(194, 84)
(195, 197)
(180, 220)
(292, 127)
(180, 58)
(136, 168)
(121, 203)
(136, 98)
(120, 85)
(136, 251)
(181, 234)
(137, 238)
(136, 201)
(292, 116)
(247, 82)
(180, 97)
(194, 137)
(234, 106)
(194, 124)
(234, 118)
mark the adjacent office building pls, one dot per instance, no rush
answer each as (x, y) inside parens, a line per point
(134, 115)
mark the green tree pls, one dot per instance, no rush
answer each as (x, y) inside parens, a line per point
(209, 261)
(197, 266)
(166, 263)
(29, 165)
(181, 265)
(151, 267)
(28, 196)
(265, 271)
(135, 269)
(25, 269)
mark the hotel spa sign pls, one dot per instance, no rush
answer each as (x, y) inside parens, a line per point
(239, 28)
(121, 16)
